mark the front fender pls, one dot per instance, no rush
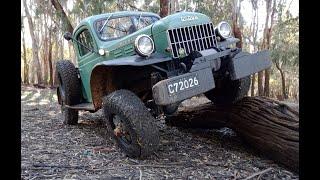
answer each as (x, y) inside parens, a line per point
(136, 60)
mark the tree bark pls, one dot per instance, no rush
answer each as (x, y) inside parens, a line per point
(253, 81)
(67, 24)
(45, 49)
(61, 48)
(268, 31)
(270, 126)
(49, 57)
(163, 8)
(56, 53)
(235, 17)
(50, 65)
(25, 61)
(260, 83)
(35, 52)
(283, 81)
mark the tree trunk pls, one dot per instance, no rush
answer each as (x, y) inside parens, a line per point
(25, 61)
(66, 22)
(268, 41)
(253, 81)
(45, 50)
(283, 81)
(163, 8)
(35, 54)
(50, 65)
(61, 49)
(260, 85)
(50, 59)
(266, 82)
(268, 125)
(56, 53)
(235, 17)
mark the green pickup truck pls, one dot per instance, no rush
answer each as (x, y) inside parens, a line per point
(136, 66)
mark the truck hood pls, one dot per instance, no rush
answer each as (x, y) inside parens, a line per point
(180, 19)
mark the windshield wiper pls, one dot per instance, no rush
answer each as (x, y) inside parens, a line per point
(105, 23)
(139, 20)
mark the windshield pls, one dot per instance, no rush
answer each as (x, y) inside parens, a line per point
(114, 28)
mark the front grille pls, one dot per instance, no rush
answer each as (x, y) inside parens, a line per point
(192, 38)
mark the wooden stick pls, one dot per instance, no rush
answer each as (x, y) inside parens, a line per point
(258, 173)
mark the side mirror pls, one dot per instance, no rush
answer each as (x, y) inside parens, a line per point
(67, 36)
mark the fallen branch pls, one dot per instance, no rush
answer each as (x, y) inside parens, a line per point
(258, 173)
(270, 126)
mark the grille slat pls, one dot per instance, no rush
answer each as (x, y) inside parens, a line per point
(191, 38)
(209, 39)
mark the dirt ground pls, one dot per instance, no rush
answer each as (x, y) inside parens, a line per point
(51, 150)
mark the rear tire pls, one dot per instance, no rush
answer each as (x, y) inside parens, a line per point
(228, 91)
(130, 124)
(69, 90)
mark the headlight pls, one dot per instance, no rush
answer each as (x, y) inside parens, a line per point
(144, 45)
(224, 30)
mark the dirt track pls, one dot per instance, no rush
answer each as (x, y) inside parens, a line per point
(51, 150)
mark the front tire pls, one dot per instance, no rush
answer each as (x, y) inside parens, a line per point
(229, 91)
(130, 124)
(68, 91)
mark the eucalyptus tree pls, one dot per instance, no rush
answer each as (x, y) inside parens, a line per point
(285, 47)
(34, 38)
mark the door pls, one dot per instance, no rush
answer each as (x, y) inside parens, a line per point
(86, 59)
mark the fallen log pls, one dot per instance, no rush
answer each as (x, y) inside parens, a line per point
(270, 126)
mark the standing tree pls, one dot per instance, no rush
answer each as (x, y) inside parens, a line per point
(285, 46)
(266, 39)
(163, 8)
(254, 31)
(25, 61)
(68, 26)
(35, 53)
(235, 21)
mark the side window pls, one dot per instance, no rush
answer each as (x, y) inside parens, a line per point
(85, 38)
(115, 28)
(144, 21)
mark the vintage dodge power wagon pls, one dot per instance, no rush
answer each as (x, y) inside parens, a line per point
(136, 66)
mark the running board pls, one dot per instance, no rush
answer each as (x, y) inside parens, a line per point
(82, 106)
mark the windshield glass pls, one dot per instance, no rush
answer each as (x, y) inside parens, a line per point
(114, 28)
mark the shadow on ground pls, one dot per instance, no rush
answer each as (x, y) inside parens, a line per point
(50, 149)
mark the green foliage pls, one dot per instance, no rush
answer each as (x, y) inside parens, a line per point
(217, 10)
(285, 41)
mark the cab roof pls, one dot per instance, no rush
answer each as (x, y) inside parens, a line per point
(91, 19)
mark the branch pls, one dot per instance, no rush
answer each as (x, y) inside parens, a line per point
(63, 14)
(134, 7)
(258, 173)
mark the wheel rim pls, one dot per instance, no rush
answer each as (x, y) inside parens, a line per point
(121, 130)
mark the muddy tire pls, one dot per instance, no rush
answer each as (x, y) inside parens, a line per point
(228, 91)
(69, 90)
(130, 124)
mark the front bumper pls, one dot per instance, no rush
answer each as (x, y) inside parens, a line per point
(242, 64)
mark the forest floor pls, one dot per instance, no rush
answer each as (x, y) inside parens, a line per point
(51, 150)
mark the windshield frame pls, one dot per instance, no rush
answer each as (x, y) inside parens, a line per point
(108, 18)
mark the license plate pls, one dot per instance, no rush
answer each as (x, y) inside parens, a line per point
(183, 84)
